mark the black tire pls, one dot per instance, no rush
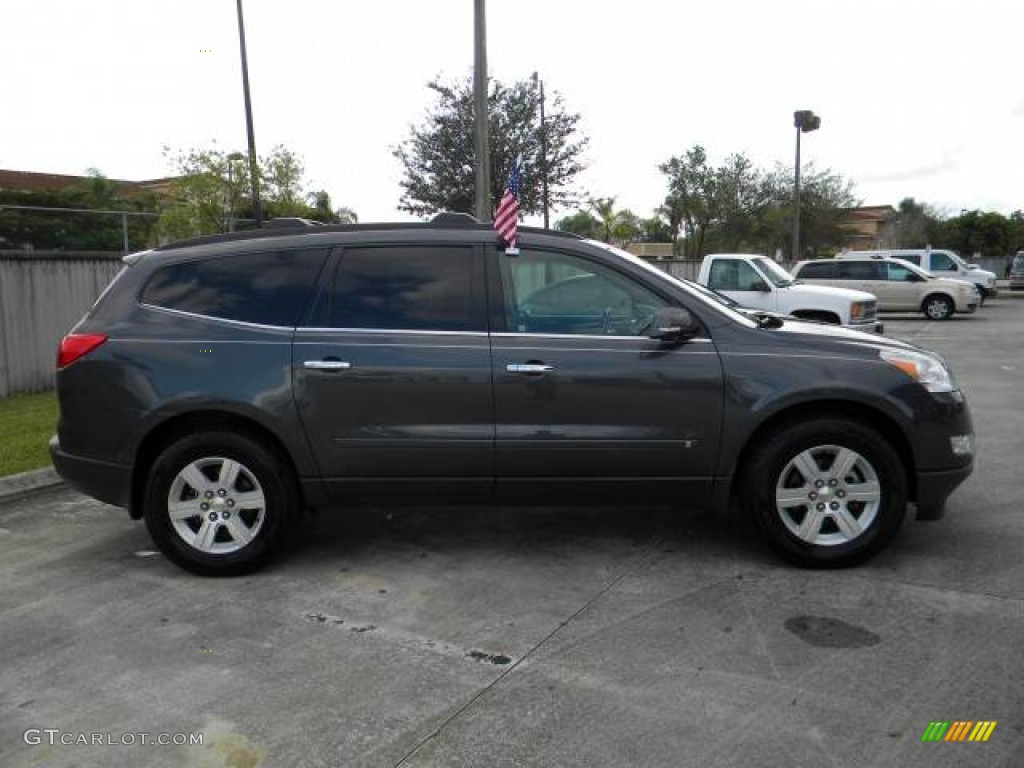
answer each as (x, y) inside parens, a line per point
(773, 468)
(233, 532)
(938, 307)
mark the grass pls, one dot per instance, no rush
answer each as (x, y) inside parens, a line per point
(26, 423)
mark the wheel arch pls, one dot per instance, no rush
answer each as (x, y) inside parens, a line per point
(207, 420)
(801, 412)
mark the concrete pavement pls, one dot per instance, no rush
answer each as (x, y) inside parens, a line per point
(504, 637)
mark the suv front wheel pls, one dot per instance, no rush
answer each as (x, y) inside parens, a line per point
(826, 493)
(218, 504)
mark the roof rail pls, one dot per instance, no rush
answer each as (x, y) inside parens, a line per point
(291, 221)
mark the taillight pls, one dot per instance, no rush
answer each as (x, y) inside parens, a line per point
(74, 345)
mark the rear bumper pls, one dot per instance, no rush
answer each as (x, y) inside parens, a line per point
(110, 483)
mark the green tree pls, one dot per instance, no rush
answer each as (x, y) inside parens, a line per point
(912, 225)
(66, 230)
(580, 223)
(213, 192)
(438, 156)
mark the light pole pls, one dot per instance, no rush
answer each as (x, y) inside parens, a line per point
(231, 189)
(481, 141)
(543, 150)
(253, 170)
(805, 121)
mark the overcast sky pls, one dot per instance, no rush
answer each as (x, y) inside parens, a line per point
(921, 98)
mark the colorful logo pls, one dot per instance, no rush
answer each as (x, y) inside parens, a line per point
(958, 730)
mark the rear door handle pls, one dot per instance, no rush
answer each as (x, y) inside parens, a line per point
(327, 365)
(529, 368)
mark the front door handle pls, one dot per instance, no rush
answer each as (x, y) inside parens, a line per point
(529, 368)
(327, 365)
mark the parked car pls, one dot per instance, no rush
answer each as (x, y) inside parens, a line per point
(899, 285)
(1017, 272)
(938, 262)
(760, 283)
(222, 385)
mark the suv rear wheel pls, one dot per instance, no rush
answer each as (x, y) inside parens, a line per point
(826, 493)
(218, 503)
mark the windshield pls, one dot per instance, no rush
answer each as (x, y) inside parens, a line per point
(699, 291)
(776, 274)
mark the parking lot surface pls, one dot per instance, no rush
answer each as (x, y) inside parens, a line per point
(560, 637)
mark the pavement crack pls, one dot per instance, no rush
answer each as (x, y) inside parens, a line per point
(644, 560)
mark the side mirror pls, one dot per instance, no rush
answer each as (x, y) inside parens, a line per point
(673, 324)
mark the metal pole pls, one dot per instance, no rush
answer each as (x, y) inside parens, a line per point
(253, 170)
(481, 141)
(124, 230)
(543, 156)
(796, 201)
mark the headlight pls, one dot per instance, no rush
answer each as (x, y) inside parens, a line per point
(858, 311)
(927, 370)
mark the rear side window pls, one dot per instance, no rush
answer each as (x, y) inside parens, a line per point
(818, 270)
(860, 270)
(913, 258)
(419, 288)
(269, 288)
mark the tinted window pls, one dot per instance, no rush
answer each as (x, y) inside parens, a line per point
(942, 262)
(268, 288)
(416, 288)
(913, 258)
(556, 293)
(822, 269)
(859, 270)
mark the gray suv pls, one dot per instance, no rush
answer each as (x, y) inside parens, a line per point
(220, 386)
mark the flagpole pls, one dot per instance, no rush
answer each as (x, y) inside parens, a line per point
(481, 141)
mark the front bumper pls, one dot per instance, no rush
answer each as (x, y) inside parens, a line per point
(935, 486)
(110, 483)
(988, 293)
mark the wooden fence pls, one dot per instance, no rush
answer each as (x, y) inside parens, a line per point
(41, 296)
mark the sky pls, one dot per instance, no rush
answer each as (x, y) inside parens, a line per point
(917, 98)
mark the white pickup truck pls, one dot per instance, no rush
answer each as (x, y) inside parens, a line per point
(760, 283)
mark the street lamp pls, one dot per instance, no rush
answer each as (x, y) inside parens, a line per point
(805, 121)
(543, 150)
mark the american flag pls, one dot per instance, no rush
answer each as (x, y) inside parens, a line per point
(506, 217)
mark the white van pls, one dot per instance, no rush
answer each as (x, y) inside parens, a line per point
(940, 262)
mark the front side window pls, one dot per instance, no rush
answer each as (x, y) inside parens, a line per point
(942, 262)
(547, 292)
(417, 288)
(900, 274)
(734, 275)
(270, 288)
